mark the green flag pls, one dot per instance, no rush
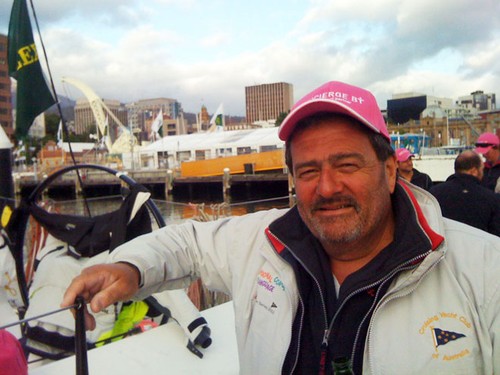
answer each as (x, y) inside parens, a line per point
(33, 94)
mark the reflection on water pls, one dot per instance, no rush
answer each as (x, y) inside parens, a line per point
(172, 211)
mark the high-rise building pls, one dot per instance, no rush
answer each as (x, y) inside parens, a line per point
(265, 102)
(5, 90)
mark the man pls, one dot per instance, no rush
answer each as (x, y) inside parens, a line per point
(406, 170)
(488, 145)
(363, 267)
(462, 197)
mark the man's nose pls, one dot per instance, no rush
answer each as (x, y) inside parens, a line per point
(329, 183)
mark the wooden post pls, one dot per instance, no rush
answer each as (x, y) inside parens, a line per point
(169, 183)
(78, 187)
(226, 181)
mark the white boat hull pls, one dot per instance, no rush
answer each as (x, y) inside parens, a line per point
(161, 350)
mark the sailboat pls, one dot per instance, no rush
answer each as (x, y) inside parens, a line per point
(63, 243)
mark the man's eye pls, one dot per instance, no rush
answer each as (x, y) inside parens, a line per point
(307, 173)
(348, 167)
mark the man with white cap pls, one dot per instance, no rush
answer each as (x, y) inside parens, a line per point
(364, 267)
(488, 145)
(406, 170)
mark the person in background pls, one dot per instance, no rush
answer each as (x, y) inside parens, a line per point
(363, 267)
(406, 170)
(488, 145)
(462, 197)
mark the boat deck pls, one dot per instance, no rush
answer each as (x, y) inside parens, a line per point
(161, 350)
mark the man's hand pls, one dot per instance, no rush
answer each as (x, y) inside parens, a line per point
(101, 286)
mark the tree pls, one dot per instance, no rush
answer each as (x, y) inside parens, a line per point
(51, 125)
(280, 118)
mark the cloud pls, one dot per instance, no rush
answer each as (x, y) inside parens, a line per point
(215, 40)
(202, 53)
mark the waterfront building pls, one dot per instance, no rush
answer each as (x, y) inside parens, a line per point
(240, 125)
(174, 150)
(447, 123)
(409, 106)
(142, 113)
(51, 157)
(265, 102)
(203, 120)
(445, 130)
(6, 119)
(477, 101)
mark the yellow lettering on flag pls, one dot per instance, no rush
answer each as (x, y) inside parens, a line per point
(27, 55)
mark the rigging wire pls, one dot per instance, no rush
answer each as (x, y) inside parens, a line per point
(23, 321)
(63, 120)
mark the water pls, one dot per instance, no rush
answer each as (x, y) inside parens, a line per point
(174, 211)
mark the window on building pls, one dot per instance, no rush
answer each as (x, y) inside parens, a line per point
(243, 150)
(201, 154)
(268, 148)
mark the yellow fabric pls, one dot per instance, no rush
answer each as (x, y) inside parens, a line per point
(129, 317)
(6, 214)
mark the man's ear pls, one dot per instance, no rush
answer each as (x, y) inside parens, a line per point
(474, 172)
(391, 172)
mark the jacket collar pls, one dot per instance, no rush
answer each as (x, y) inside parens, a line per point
(464, 177)
(413, 234)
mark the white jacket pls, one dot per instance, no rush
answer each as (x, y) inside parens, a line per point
(442, 317)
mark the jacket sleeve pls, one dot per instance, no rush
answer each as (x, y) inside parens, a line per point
(493, 308)
(173, 256)
(489, 294)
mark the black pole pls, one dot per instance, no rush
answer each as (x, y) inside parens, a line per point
(80, 338)
(6, 180)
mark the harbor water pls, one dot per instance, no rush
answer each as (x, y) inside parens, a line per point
(174, 211)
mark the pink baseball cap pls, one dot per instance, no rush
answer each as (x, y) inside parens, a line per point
(403, 154)
(12, 359)
(486, 142)
(337, 97)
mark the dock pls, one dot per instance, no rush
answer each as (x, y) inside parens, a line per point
(162, 183)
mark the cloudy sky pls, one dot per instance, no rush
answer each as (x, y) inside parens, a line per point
(203, 52)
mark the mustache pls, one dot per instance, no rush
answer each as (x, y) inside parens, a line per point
(341, 200)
